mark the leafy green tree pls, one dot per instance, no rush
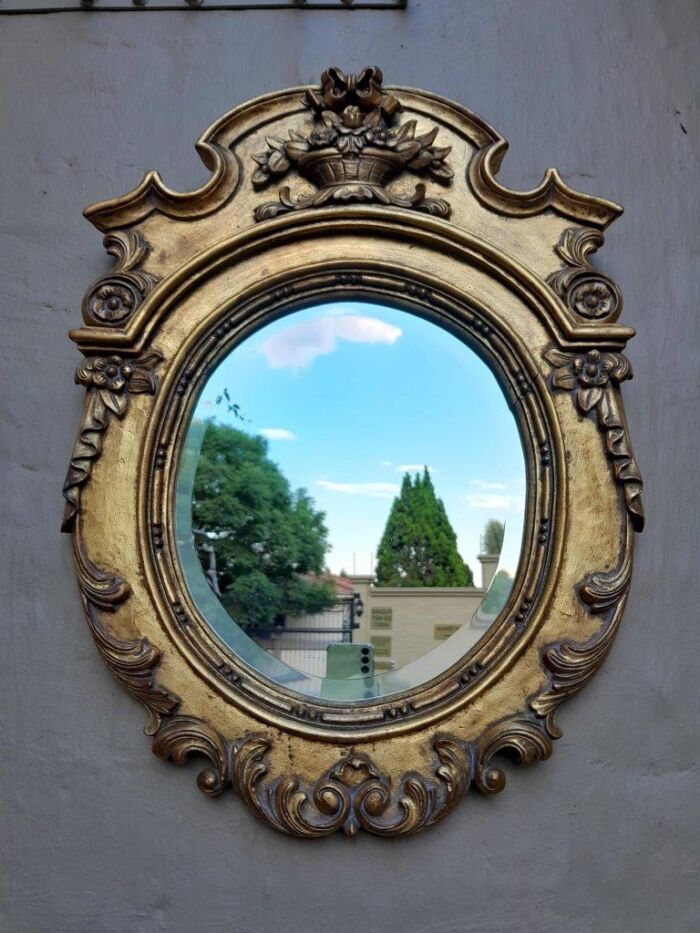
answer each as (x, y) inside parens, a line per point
(419, 545)
(492, 538)
(270, 542)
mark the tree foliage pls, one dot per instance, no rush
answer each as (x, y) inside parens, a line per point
(492, 538)
(270, 541)
(419, 546)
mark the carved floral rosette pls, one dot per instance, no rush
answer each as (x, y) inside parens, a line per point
(193, 272)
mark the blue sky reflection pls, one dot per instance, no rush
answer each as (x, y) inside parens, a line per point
(350, 396)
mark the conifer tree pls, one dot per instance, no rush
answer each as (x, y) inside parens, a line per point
(419, 545)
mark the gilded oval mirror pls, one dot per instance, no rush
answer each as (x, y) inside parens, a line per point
(353, 496)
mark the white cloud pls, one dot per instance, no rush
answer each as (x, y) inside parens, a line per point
(298, 346)
(374, 490)
(385, 463)
(414, 468)
(480, 484)
(277, 434)
(487, 501)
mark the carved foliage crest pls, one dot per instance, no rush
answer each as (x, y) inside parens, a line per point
(354, 148)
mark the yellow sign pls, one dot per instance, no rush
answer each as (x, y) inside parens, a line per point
(442, 632)
(382, 646)
(381, 617)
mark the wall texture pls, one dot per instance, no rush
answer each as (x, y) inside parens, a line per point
(99, 836)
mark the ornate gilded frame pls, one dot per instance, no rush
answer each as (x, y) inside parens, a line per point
(510, 274)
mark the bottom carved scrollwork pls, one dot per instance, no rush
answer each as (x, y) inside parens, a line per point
(354, 793)
(350, 796)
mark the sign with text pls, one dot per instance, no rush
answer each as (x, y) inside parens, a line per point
(381, 617)
(382, 646)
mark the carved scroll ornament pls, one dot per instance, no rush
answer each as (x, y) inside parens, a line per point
(113, 298)
(588, 292)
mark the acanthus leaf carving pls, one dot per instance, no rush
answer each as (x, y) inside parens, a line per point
(182, 736)
(593, 377)
(521, 737)
(352, 795)
(109, 381)
(571, 665)
(133, 662)
(353, 150)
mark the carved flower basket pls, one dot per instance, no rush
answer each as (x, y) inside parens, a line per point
(326, 167)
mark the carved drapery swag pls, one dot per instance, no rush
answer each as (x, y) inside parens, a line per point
(191, 270)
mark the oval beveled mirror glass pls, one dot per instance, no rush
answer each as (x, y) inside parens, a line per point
(350, 500)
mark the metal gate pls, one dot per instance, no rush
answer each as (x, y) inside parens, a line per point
(302, 641)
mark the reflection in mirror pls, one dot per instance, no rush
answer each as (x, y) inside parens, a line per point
(350, 500)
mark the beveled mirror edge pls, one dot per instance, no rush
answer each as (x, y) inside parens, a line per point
(409, 777)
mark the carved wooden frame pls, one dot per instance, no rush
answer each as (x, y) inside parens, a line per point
(509, 273)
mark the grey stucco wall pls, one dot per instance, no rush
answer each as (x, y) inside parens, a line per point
(101, 837)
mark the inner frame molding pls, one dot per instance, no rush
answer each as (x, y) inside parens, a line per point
(203, 351)
(354, 190)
